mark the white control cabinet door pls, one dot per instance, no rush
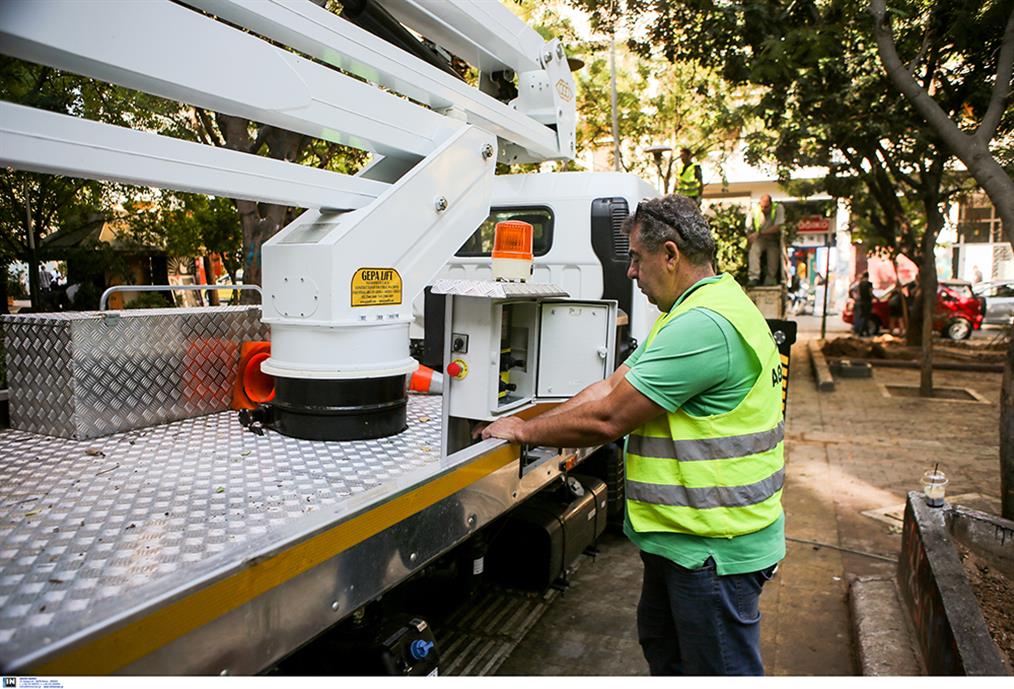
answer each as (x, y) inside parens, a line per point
(577, 340)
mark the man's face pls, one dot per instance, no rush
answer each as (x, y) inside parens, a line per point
(685, 156)
(765, 203)
(647, 267)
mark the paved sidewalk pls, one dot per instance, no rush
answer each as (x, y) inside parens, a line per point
(847, 452)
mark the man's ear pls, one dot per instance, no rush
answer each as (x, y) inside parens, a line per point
(672, 252)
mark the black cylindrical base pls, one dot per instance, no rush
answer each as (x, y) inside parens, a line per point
(339, 409)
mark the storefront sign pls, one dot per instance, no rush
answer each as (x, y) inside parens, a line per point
(813, 224)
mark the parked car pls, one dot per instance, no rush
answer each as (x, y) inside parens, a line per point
(958, 310)
(998, 301)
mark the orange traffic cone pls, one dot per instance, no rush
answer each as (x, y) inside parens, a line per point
(426, 381)
(253, 387)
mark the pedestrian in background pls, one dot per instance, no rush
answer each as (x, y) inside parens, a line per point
(862, 311)
(896, 310)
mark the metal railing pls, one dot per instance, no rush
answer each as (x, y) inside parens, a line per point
(169, 288)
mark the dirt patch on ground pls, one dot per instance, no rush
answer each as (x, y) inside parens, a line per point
(891, 347)
(995, 593)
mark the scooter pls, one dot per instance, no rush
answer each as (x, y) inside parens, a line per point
(801, 301)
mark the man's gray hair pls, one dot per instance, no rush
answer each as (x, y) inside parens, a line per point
(659, 219)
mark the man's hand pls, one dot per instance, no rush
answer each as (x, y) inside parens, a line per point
(508, 428)
(752, 237)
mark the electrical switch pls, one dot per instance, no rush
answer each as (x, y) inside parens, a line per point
(457, 369)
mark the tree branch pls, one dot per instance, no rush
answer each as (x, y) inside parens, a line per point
(895, 170)
(262, 134)
(209, 129)
(916, 94)
(1001, 87)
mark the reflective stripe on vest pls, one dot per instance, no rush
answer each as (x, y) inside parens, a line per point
(720, 475)
(688, 184)
(707, 498)
(707, 448)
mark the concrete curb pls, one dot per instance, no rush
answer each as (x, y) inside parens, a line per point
(825, 382)
(937, 366)
(884, 642)
(946, 616)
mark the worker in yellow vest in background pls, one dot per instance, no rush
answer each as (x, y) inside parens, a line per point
(700, 402)
(764, 232)
(690, 179)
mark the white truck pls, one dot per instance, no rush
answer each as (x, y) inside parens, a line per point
(578, 245)
(143, 530)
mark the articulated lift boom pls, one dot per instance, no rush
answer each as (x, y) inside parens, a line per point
(197, 547)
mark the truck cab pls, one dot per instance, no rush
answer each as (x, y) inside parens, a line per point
(578, 245)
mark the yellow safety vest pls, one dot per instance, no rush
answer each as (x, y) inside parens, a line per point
(688, 184)
(719, 475)
(758, 216)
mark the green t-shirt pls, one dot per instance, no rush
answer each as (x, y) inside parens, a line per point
(700, 362)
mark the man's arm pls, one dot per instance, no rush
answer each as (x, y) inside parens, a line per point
(595, 421)
(593, 392)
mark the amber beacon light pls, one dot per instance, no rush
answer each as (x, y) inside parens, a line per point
(512, 251)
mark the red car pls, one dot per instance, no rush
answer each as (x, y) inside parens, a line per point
(958, 311)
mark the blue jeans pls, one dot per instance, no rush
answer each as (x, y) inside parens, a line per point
(695, 622)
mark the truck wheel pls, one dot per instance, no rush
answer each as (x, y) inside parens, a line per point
(958, 329)
(873, 326)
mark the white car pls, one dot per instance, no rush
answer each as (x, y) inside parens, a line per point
(998, 296)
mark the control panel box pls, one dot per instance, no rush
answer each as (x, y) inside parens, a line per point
(511, 345)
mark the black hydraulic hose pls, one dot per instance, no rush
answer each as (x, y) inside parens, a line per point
(371, 17)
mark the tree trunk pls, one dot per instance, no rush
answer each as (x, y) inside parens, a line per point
(209, 278)
(928, 287)
(260, 221)
(4, 267)
(1007, 433)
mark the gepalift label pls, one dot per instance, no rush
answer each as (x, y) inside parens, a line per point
(376, 287)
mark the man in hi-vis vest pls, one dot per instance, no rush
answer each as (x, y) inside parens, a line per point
(690, 181)
(764, 232)
(700, 401)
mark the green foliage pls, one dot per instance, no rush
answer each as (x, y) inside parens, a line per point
(149, 300)
(55, 202)
(824, 99)
(15, 287)
(727, 223)
(87, 297)
(186, 225)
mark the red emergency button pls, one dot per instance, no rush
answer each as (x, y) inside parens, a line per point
(457, 369)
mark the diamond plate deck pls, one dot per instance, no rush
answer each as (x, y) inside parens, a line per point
(94, 530)
(492, 289)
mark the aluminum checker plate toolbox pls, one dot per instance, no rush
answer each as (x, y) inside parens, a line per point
(89, 374)
(94, 532)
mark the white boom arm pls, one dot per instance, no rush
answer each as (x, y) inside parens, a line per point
(338, 282)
